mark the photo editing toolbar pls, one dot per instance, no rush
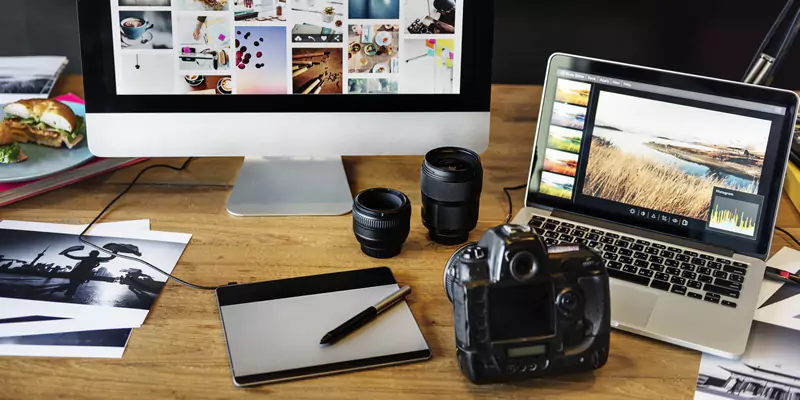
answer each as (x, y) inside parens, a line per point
(280, 47)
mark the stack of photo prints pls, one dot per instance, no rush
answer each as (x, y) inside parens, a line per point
(62, 298)
(271, 47)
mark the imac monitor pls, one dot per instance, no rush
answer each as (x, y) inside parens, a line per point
(291, 85)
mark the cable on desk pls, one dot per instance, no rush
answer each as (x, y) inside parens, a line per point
(506, 190)
(785, 232)
(119, 196)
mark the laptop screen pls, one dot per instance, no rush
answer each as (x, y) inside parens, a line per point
(624, 146)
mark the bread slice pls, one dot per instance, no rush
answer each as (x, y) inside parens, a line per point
(38, 121)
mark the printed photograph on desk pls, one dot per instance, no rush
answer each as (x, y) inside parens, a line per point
(205, 43)
(372, 86)
(317, 70)
(142, 30)
(430, 16)
(260, 11)
(564, 139)
(109, 343)
(560, 162)
(202, 5)
(372, 9)
(427, 66)
(203, 84)
(44, 267)
(669, 157)
(374, 49)
(556, 185)
(317, 21)
(573, 92)
(261, 60)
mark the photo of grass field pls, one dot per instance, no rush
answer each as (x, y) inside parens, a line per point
(669, 157)
(568, 115)
(556, 185)
(573, 92)
(560, 162)
(564, 139)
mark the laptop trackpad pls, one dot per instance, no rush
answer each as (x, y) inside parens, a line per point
(631, 306)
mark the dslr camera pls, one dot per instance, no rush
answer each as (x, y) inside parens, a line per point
(522, 310)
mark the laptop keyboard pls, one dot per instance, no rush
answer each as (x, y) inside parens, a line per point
(676, 270)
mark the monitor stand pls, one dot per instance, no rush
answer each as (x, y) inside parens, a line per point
(290, 186)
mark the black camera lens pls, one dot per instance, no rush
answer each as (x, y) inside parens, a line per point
(381, 221)
(523, 266)
(451, 181)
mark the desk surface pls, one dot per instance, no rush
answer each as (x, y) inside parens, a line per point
(180, 350)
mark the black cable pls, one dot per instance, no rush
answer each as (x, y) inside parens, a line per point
(119, 196)
(785, 232)
(506, 190)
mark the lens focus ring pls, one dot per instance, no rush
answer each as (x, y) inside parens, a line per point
(372, 223)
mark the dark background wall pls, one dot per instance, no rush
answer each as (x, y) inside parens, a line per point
(707, 37)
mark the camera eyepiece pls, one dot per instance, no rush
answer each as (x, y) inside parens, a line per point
(451, 181)
(381, 221)
(523, 265)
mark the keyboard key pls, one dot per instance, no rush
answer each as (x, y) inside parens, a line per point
(659, 246)
(625, 252)
(640, 263)
(630, 269)
(539, 231)
(681, 290)
(694, 295)
(734, 270)
(721, 274)
(610, 248)
(740, 264)
(667, 254)
(646, 272)
(553, 221)
(581, 228)
(535, 224)
(728, 303)
(567, 224)
(550, 234)
(537, 218)
(598, 231)
(678, 280)
(690, 253)
(578, 234)
(724, 261)
(550, 242)
(728, 284)
(694, 285)
(581, 241)
(614, 264)
(606, 240)
(659, 285)
(621, 243)
(640, 256)
(612, 235)
(593, 236)
(674, 249)
(704, 270)
(549, 227)
(688, 267)
(706, 257)
(563, 229)
(736, 278)
(627, 239)
(673, 271)
(566, 238)
(705, 279)
(656, 259)
(643, 242)
(592, 244)
(661, 276)
(721, 290)
(714, 264)
(682, 257)
(699, 261)
(626, 260)
(689, 275)
(641, 280)
(711, 299)
(657, 267)
(651, 250)
(671, 263)
(610, 256)
(637, 247)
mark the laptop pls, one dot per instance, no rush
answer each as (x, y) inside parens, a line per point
(675, 179)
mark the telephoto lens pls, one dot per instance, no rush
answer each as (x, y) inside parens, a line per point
(381, 221)
(451, 180)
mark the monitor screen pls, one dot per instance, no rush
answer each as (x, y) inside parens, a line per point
(692, 163)
(275, 47)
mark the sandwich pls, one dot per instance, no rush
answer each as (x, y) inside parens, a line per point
(10, 151)
(45, 122)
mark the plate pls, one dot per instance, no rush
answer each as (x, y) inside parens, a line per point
(45, 161)
(383, 38)
(380, 68)
(370, 49)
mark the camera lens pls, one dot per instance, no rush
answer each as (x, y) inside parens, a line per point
(523, 266)
(451, 181)
(381, 221)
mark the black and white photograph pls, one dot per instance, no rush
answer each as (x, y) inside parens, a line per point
(778, 302)
(142, 30)
(108, 343)
(765, 371)
(28, 77)
(145, 3)
(58, 268)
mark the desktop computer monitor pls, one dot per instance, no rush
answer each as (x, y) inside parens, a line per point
(292, 85)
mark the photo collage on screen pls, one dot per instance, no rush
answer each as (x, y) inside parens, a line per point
(565, 135)
(272, 47)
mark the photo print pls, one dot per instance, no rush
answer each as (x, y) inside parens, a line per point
(317, 70)
(204, 42)
(373, 49)
(427, 67)
(564, 139)
(573, 92)
(669, 157)
(260, 11)
(146, 73)
(560, 162)
(556, 185)
(145, 3)
(568, 116)
(261, 60)
(373, 9)
(317, 17)
(372, 86)
(204, 84)
(430, 16)
(107, 343)
(205, 5)
(141, 30)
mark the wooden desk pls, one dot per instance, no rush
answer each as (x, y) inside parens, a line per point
(180, 350)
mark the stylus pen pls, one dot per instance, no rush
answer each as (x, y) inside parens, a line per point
(781, 276)
(364, 317)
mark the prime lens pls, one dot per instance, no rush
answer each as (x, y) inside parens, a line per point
(451, 180)
(381, 221)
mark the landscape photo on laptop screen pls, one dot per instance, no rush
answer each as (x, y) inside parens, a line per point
(281, 47)
(653, 153)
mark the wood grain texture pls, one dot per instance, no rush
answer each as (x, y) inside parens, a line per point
(180, 350)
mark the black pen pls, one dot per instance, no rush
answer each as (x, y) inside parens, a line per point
(364, 317)
(781, 276)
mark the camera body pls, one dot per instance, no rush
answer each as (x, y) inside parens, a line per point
(522, 311)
